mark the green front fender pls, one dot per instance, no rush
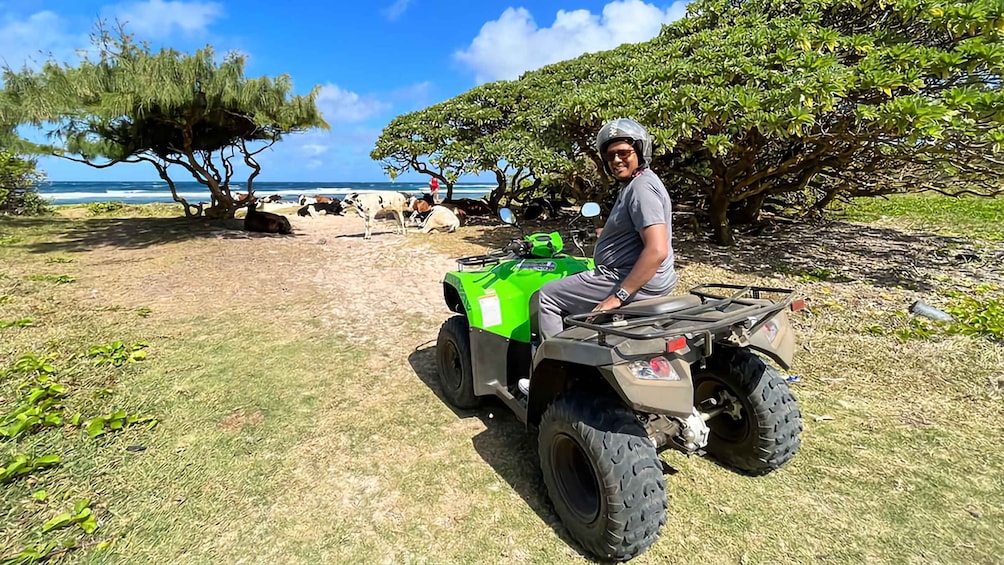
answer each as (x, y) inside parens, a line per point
(497, 300)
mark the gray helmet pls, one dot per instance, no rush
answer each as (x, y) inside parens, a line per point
(625, 129)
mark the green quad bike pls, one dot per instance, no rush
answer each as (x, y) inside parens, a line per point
(614, 389)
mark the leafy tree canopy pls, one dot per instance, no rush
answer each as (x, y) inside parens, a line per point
(806, 100)
(167, 108)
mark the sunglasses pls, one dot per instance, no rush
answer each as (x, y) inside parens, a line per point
(622, 154)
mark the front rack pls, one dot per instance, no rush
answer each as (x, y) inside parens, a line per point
(715, 312)
(477, 262)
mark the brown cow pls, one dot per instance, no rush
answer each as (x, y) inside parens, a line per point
(471, 207)
(265, 222)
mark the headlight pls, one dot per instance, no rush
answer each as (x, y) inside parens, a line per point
(657, 368)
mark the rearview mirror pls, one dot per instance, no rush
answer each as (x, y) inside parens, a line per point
(590, 209)
(506, 216)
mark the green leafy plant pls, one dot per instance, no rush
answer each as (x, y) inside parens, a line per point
(58, 260)
(21, 464)
(143, 311)
(5, 298)
(82, 515)
(96, 208)
(36, 553)
(9, 240)
(58, 279)
(20, 323)
(976, 317)
(40, 408)
(918, 328)
(115, 421)
(117, 353)
(815, 274)
(40, 367)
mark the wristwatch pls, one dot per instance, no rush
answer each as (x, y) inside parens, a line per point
(621, 294)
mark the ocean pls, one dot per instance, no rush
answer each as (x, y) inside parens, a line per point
(149, 192)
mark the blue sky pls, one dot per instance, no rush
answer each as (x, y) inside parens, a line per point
(374, 60)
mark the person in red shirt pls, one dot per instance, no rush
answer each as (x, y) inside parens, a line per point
(434, 189)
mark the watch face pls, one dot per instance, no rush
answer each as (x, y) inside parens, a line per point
(622, 294)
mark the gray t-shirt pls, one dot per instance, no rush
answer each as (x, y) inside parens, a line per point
(642, 202)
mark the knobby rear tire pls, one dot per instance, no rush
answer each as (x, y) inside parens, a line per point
(603, 475)
(766, 436)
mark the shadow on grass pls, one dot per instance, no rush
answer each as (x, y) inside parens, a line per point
(71, 235)
(832, 251)
(506, 444)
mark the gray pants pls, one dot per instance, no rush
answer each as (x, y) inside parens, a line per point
(579, 294)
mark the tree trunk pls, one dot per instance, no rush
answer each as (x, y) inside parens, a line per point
(499, 191)
(721, 230)
(819, 207)
(749, 213)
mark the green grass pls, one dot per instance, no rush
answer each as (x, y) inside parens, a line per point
(980, 218)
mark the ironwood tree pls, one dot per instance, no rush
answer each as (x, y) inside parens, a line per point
(129, 104)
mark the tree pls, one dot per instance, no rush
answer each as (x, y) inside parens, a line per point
(805, 100)
(18, 179)
(421, 142)
(165, 108)
(822, 98)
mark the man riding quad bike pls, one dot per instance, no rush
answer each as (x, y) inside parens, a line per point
(614, 388)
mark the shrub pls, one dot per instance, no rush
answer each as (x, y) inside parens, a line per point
(96, 208)
(18, 179)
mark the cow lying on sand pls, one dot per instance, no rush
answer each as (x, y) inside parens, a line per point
(303, 199)
(315, 209)
(369, 204)
(265, 222)
(441, 218)
(421, 207)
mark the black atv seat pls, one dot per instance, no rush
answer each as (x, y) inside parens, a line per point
(661, 305)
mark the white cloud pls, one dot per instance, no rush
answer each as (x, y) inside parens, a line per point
(513, 44)
(313, 149)
(159, 18)
(36, 38)
(339, 105)
(396, 10)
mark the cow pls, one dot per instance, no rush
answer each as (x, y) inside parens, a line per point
(315, 209)
(303, 199)
(471, 207)
(265, 222)
(544, 208)
(420, 208)
(440, 217)
(369, 204)
(271, 199)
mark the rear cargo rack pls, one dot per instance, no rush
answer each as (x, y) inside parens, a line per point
(478, 262)
(722, 306)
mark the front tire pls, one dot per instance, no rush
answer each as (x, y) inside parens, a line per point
(453, 359)
(603, 475)
(763, 434)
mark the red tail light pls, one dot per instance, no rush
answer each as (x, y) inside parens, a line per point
(798, 305)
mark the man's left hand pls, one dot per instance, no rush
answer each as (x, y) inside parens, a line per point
(609, 303)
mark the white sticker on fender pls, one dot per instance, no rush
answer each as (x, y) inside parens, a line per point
(491, 310)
